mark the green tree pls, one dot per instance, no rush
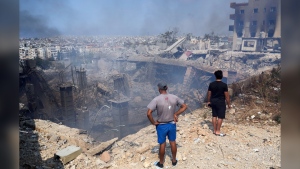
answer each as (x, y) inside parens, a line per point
(189, 36)
(169, 37)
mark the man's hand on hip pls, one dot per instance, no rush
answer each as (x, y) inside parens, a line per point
(156, 123)
(175, 118)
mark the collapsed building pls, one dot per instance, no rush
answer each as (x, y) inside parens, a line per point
(110, 95)
(257, 26)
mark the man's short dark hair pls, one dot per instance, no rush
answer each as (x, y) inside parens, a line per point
(219, 74)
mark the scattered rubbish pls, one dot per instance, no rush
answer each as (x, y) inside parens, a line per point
(143, 158)
(155, 150)
(250, 134)
(196, 140)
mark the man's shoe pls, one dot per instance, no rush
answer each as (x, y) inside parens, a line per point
(174, 163)
(159, 165)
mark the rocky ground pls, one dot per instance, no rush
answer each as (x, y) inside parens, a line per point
(246, 145)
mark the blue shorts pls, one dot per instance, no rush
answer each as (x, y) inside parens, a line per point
(164, 130)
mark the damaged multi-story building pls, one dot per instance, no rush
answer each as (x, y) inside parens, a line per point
(257, 26)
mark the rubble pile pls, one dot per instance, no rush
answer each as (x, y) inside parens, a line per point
(244, 146)
(199, 148)
(40, 140)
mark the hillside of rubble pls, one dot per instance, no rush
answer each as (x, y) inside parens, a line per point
(252, 145)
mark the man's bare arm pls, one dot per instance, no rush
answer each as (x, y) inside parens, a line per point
(183, 107)
(150, 117)
(227, 99)
(208, 96)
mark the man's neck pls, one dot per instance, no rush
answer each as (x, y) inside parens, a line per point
(163, 92)
(219, 80)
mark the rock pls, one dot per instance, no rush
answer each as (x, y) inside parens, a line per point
(258, 101)
(196, 140)
(205, 126)
(181, 132)
(186, 118)
(179, 156)
(142, 158)
(120, 143)
(101, 147)
(273, 158)
(82, 131)
(143, 149)
(263, 116)
(99, 162)
(48, 136)
(54, 138)
(105, 156)
(68, 154)
(231, 111)
(201, 132)
(193, 129)
(105, 166)
(129, 155)
(146, 164)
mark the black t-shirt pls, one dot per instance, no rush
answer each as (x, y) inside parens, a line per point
(217, 89)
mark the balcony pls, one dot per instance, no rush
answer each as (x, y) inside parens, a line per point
(232, 5)
(232, 16)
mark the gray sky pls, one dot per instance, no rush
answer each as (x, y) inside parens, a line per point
(41, 18)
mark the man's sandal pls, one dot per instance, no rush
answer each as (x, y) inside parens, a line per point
(221, 134)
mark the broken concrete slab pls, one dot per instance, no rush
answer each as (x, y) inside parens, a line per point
(101, 147)
(67, 154)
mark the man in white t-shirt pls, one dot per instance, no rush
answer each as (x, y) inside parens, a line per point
(166, 106)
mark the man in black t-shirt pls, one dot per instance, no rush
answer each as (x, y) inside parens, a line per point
(216, 96)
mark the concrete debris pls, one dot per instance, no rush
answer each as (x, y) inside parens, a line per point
(100, 148)
(68, 154)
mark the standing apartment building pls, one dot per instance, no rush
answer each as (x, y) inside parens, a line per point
(257, 26)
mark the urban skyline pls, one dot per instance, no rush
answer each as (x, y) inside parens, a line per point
(124, 18)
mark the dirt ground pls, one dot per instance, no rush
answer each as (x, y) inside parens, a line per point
(248, 145)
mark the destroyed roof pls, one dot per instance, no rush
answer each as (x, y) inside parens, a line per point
(175, 44)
